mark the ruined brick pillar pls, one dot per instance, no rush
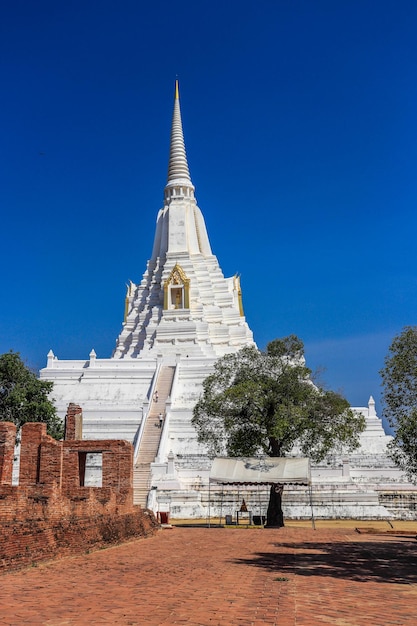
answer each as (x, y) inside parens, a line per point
(7, 443)
(32, 434)
(73, 422)
(50, 462)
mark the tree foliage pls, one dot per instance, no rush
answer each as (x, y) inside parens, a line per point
(257, 403)
(399, 382)
(24, 398)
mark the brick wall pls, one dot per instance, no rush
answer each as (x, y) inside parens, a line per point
(50, 513)
(7, 443)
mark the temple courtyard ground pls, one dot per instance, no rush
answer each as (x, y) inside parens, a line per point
(333, 575)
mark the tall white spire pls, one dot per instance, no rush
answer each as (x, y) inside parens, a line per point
(179, 180)
(180, 227)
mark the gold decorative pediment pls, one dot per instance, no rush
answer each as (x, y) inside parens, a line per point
(178, 275)
(177, 289)
(238, 289)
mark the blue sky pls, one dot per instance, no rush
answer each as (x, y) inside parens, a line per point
(301, 133)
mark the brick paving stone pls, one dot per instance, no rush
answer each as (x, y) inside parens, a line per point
(213, 576)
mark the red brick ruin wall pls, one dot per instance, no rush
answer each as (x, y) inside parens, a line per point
(50, 514)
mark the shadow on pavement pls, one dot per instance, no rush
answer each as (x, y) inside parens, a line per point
(389, 562)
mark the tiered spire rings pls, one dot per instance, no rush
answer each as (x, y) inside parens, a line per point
(179, 182)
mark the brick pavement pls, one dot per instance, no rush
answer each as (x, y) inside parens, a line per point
(224, 576)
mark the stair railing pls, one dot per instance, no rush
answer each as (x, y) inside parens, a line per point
(162, 448)
(145, 411)
(164, 435)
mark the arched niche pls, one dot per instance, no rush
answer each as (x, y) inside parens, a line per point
(177, 290)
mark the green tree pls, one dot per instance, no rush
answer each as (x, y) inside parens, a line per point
(24, 398)
(265, 403)
(399, 382)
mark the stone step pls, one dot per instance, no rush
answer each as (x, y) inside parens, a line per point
(151, 436)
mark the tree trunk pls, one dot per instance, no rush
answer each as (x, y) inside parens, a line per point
(274, 447)
(274, 515)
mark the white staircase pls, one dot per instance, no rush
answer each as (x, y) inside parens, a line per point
(148, 448)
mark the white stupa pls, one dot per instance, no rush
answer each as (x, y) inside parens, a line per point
(179, 320)
(184, 305)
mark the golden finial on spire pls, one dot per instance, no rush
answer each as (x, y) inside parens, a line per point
(177, 91)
